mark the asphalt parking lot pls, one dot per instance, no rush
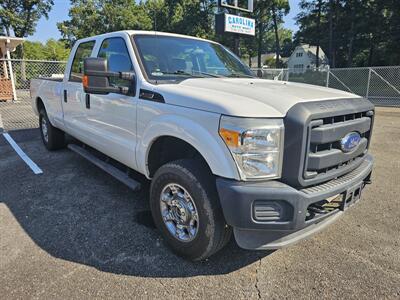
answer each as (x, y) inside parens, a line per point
(74, 232)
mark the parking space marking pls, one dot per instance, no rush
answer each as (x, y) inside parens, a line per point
(34, 167)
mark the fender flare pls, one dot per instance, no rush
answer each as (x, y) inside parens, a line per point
(211, 147)
(35, 107)
(51, 119)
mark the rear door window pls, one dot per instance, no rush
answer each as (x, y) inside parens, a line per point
(118, 59)
(83, 51)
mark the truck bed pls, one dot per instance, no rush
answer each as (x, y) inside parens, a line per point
(55, 77)
(51, 79)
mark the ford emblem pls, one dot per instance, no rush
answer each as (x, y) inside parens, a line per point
(350, 141)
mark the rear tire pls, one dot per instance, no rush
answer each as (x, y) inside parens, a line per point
(52, 137)
(186, 209)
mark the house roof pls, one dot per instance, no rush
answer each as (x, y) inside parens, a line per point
(311, 49)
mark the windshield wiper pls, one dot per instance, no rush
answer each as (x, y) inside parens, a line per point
(194, 74)
(209, 74)
(239, 75)
(180, 72)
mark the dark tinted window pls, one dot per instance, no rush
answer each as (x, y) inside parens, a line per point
(117, 55)
(83, 51)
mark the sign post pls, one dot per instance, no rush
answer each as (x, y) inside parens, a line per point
(234, 24)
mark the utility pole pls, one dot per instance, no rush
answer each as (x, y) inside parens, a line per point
(236, 47)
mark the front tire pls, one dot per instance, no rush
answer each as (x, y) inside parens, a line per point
(52, 137)
(185, 208)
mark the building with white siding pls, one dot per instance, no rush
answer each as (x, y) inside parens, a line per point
(304, 57)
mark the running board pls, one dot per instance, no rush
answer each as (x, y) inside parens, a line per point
(113, 171)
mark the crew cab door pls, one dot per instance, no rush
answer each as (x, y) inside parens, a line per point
(111, 118)
(72, 94)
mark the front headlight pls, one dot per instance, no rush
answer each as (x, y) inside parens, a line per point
(256, 145)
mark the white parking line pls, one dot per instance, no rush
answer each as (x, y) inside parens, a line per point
(34, 167)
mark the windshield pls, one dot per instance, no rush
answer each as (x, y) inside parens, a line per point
(176, 58)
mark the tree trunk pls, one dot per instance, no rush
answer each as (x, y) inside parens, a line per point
(352, 33)
(318, 32)
(371, 52)
(335, 24)
(236, 41)
(277, 46)
(351, 41)
(330, 55)
(259, 49)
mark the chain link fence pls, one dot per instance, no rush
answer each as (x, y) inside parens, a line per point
(15, 101)
(381, 85)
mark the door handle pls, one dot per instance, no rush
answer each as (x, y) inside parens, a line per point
(87, 101)
(65, 96)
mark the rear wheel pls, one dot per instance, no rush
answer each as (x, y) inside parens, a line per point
(52, 137)
(185, 208)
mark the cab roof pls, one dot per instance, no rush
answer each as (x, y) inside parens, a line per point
(144, 32)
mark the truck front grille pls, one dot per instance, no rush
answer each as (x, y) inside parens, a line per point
(324, 156)
(313, 133)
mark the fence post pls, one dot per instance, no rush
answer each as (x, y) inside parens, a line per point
(10, 70)
(368, 82)
(327, 76)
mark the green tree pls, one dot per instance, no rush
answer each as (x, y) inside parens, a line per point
(262, 23)
(92, 17)
(21, 16)
(285, 41)
(355, 32)
(312, 21)
(191, 17)
(34, 50)
(278, 8)
(56, 50)
(51, 50)
(270, 35)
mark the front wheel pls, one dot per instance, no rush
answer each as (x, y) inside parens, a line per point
(186, 209)
(52, 137)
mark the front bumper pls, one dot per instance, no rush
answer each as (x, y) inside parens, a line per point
(271, 215)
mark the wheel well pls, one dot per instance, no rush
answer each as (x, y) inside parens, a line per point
(166, 149)
(39, 104)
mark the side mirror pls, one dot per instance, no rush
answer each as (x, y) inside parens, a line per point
(96, 78)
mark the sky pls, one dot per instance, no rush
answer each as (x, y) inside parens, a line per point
(47, 29)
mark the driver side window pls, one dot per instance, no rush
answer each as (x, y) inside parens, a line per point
(117, 55)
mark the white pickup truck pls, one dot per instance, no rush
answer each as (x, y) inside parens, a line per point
(273, 162)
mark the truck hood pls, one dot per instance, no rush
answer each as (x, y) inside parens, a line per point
(245, 97)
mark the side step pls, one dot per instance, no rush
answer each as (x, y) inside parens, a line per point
(113, 171)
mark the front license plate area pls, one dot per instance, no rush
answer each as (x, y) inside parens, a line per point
(352, 195)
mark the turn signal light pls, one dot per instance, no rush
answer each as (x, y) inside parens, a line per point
(85, 81)
(230, 137)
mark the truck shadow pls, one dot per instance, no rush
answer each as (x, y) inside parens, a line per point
(77, 213)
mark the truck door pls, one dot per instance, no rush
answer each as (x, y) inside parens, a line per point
(111, 118)
(73, 98)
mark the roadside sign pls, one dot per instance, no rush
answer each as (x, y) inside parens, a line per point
(235, 24)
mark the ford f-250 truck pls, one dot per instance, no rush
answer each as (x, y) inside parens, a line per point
(273, 162)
